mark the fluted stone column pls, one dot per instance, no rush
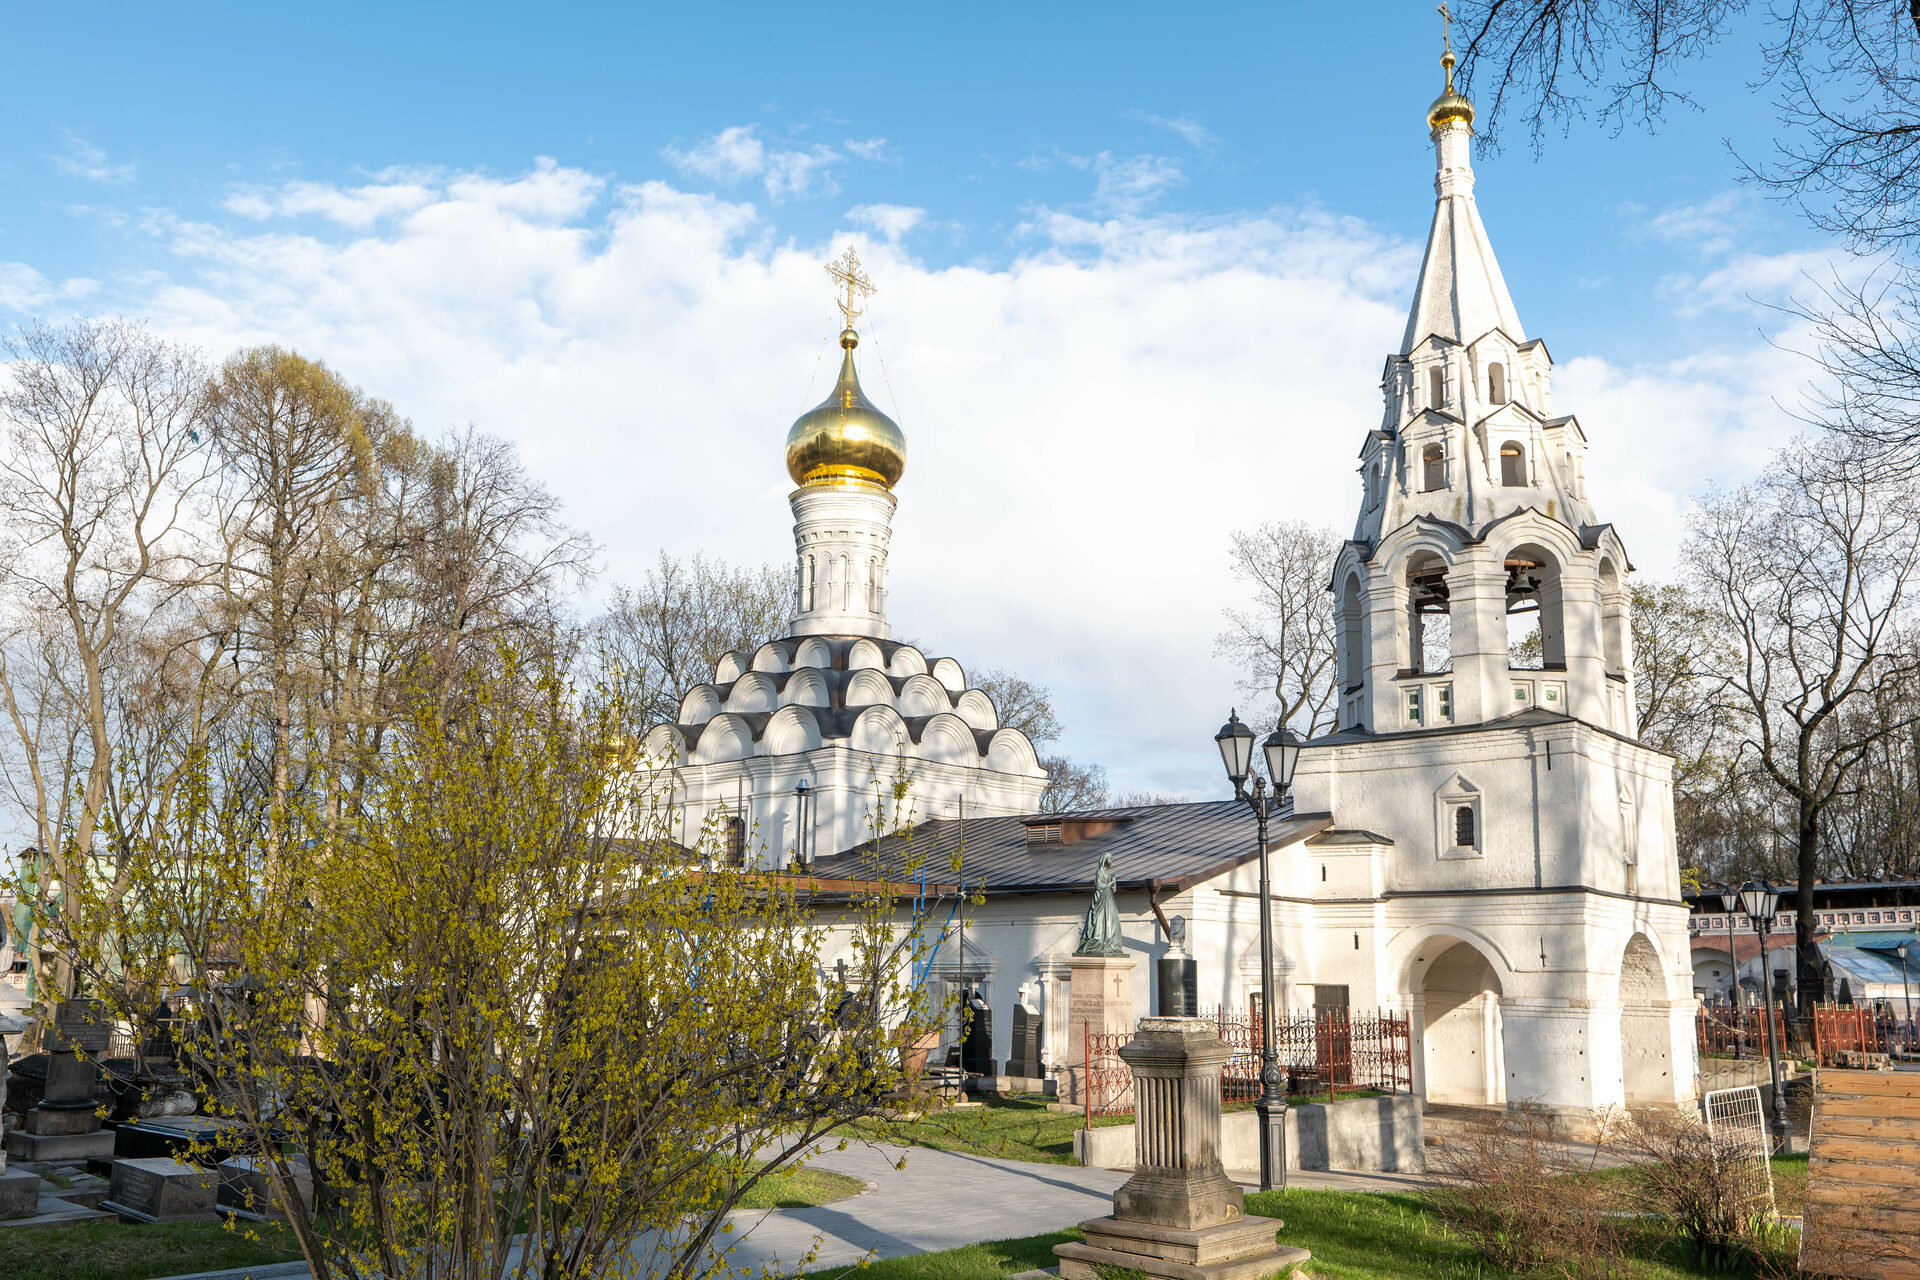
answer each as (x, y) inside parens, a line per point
(1179, 1217)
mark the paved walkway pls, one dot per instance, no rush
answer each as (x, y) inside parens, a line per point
(941, 1200)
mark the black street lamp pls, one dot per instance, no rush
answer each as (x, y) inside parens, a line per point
(1906, 997)
(1730, 901)
(1760, 903)
(1282, 751)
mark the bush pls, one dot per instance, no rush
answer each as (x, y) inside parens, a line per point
(1526, 1201)
(1714, 1189)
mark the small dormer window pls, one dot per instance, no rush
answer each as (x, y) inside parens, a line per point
(1497, 383)
(1044, 833)
(1436, 387)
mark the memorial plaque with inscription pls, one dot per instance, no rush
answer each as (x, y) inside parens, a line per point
(160, 1190)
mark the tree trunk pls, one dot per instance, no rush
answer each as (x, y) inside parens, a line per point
(1808, 977)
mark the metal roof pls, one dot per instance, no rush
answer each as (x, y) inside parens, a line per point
(1168, 847)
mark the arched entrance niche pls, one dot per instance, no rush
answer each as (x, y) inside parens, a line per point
(1462, 1042)
(1646, 1040)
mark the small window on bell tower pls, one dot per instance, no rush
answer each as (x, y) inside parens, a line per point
(1433, 465)
(1513, 464)
(1436, 387)
(1497, 383)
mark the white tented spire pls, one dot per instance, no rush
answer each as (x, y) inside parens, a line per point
(1461, 294)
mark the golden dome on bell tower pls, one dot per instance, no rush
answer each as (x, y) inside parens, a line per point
(1449, 105)
(844, 439)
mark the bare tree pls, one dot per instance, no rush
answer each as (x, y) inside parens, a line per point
(1846, 88)
(1811, 568)
(1020, 704)
(665, 635)
(1072, 787)
(1285, 643)
(104, 429)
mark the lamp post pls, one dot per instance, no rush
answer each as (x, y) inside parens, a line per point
(1730, 901)
(1906, 998)
(803, 824)
(1282, 751)
(1760, 903)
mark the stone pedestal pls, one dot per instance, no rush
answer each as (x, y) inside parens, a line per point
(1100, 1001)
(65, 1124)
(160, 1191)
(1179, 1217)
(19, 1194)
(9, 1026)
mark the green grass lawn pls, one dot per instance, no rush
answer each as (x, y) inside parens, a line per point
(111, 1251)
(1352, 1235)
(800, 1188)
(1011, 1129)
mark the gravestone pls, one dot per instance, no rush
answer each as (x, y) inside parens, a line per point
(976, 1052)
(8, 1027)
(160, 1190)
(19, 1194)
(248, 1188)
(1099, 1002)
(1179, 1217)
(64, 1125)
(1179, 975)
(1025, 1029)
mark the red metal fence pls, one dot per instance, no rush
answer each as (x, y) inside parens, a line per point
(1358, 1053)
(1369, 1053)
(1720, 1030)
(1855, 1028)
(1834, 1029)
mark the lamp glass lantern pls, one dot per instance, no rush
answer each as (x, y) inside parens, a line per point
(1282, 750)
(1235, 741)
(1758, 901)
(1730, 901)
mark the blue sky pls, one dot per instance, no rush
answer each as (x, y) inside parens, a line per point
(1138, 269)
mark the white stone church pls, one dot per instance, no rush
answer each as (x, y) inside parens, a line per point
(1481, 844)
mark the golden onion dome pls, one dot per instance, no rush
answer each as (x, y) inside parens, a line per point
(844, 438)
(1449, 105)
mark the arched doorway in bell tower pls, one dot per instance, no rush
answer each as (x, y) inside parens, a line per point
(1646, 1037)
(1462, 1043)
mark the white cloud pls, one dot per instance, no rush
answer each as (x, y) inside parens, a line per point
(1196, 135)
(84, 160)
(872, 150)
(1085, 424)
(736, 153)
(890, 220)
(1129, 186)
(25, 290)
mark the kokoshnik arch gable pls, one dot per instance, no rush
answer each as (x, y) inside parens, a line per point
(1480, 844)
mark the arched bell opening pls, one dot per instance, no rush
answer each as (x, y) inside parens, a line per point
(1429, 619)
(1536, 626)
(1613, 620)
(1350, 653)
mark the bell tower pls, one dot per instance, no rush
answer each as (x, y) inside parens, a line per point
(1478, 582)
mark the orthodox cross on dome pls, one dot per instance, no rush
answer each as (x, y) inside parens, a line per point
(1446, 24)
(845, 270)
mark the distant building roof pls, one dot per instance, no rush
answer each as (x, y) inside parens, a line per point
(1169, 847)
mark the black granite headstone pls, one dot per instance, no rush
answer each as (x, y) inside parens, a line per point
(1026, 1027)
(976, 1052)
(1178, 986)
